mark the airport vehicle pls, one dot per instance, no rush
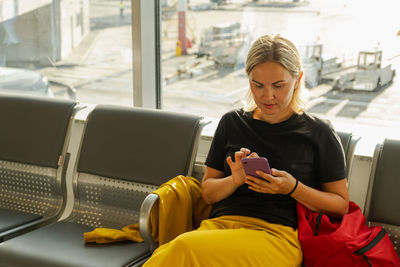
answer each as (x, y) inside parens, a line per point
(315, 66)
(367, 75)
(30, 82)
(22, 81)
(222, 43)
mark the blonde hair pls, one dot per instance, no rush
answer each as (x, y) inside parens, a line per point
(275, 48)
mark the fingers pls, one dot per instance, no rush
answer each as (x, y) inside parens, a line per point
(253, 155)
(239, 155)
(246, 151)
(280, 182)
(256, 189)
(267, 177)
(232, 165)
(242, 153)
(229, 161)
(267, 183)
(276, 172)
(259, 185)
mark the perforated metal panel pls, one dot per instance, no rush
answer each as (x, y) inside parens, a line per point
(107, 202)
(28, 188)
(393, 232)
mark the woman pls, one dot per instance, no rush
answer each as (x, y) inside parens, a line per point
(253, 221)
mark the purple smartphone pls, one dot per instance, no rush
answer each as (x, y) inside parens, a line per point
(251, 165)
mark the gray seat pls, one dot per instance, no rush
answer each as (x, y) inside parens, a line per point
(349, 144)
(34, 135)
(382, 203)
(126, 153)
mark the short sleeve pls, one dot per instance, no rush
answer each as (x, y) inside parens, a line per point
(216, 154)
(332, 163)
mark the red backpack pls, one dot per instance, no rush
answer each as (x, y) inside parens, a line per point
(346, 241)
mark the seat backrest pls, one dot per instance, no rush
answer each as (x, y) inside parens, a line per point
(125, 154)
(34, 135)
(383, 199)
(348, 144)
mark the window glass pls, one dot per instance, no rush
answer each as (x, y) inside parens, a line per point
(77, 49)
(350, 51)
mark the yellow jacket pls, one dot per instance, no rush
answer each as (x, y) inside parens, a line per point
(180, 208)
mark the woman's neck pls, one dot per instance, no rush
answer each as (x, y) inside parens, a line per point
(273, 118)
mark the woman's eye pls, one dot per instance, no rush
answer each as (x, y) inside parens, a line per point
(278, 86)
(258, 85)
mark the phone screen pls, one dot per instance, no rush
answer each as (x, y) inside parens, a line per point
(251, 165)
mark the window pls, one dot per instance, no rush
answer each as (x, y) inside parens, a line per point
(76, 49)
(188, 55)
(350, 52)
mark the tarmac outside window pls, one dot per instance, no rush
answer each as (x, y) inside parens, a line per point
(349, 59)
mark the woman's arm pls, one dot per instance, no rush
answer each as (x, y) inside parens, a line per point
(332, 200)
(215, 186)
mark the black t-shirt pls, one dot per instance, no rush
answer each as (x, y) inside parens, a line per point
(305, 146)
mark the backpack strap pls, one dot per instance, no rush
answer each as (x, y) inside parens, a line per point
(369, 246)
(317, 224)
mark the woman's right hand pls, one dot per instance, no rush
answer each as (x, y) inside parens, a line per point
(238, 173)
(215, 186)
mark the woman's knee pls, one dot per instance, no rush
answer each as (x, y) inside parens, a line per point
(184, 241)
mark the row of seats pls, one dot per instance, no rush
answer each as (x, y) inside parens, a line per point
(124, 154)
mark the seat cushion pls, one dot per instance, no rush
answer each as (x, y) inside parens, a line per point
(61, 244)
(10, 219)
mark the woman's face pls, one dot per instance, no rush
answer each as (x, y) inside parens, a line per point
(272, 87)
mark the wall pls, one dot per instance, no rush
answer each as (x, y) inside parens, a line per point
(41, 32)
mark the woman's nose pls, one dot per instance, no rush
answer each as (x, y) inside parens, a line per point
(268, 93)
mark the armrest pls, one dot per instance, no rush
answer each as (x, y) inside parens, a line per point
(144, 220)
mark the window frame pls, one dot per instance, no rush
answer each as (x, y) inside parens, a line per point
(146, 59)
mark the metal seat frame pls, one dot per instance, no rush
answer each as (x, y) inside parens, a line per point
(35, 135)
(125, 154)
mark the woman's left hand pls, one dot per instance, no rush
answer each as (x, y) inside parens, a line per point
(280, 182)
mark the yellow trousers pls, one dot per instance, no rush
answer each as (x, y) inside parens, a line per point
(232, 241)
